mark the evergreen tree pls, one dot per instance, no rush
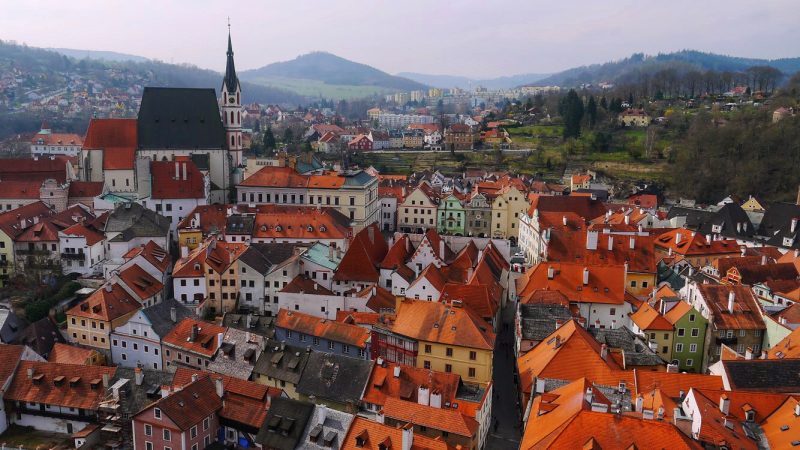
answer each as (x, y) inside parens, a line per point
(288, 136)
(269, 139)
(591, 111)
(571, 109)
(603, 103)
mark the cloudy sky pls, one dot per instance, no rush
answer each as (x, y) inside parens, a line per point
(468, 37)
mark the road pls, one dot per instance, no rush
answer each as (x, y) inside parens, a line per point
(508, 150)
(504, 408)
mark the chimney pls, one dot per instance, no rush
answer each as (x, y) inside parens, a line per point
(763, 260)
(632, 243)
(380, 417)
(672, 368)
(797, 409)
(30, 372)
(194, 377)
(397, 371)
(793, 227)
(603, 351)
(219, 339)
(436, 399)
(138, 376)
(469, 273)
(591, 240)
(185, 177)
(724, 404)
(441, 249)
(165, 390)
(184, 251)
(408, 436)
(748, 353)
(627, 219)
(177, 170)
(731, 299)
(173, 314)
(678, 237)
(423, 395)
(610, 243)
(105, 380)
(564, 220)
(195, 330)
(108, 287)
(551, 272)
(219, 387)
(371, 234)
(639, 403)
(588, 395)
(585, 276)
(322, 414)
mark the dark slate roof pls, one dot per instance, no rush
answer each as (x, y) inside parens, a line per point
(539, 320)
(359, 178)
(135, 397)
(180, 118)
(41, 336)
(636, 351)
(231, 81)
(239, 224)
(776, 225)
(262, 257)
(260, 325)
(160, 315)
(10, 325)
(333, 377)
(599, 194)
(695, 218)
(282, 362)
(283, 429)
(134, 220)
(773, 375)
(732, 219)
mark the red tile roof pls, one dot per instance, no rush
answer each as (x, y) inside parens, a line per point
(11, 221)
(273, 176)
(221, 254)
(189, 406)
(66, 385)
(374, 436)
(648, 318)
(207, 336)
(301, 284)
(606, 283)
(117, 138)
(57, 139)
(152, 253)
(405, 385)
(20, 189)
(746, 314)
(694, 244)
(140, 282)
(475, 297)
(45, 231)
(70, 354)
(191, 265)
(444, 324)
(80, 230)
(108, 303)
(582, 206)
(29, 169)
(328, 329)
(207, 218)
(443, 419)
(83, 189)
(11, 355)
(189, 184)
(364, 255)
(398, 254)
(378, 298)
(293, 222)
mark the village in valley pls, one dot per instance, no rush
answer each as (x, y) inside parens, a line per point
(537, 267)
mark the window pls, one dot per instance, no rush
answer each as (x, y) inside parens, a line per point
(193, 433)
(678, 347)
(330, 345)
(448, 351)
(689, 362)
(633, 283)
(426, 364)
(206, 424)
(148, 446)
(691, 317)
(448, 368)
(681, 331)
(148, 430)
(693, 348)
(157, 413)
(427, 348)
(472, 372)
(695, 332)
(757, 333)
(167, 435)
(613, 311)
(345, 348)
(730, 334)
(316, 340)
(194, 447)
(742, 333)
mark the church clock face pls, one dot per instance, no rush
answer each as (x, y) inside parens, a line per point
(231, 100)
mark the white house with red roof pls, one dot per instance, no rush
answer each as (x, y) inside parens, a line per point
(45, 142)
(176, 189)
(82, 249)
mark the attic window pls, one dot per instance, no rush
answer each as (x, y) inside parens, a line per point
(323, 228)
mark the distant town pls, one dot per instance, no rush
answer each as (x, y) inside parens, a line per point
(427, 269)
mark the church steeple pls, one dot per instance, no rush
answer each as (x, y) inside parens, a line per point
(231, 80)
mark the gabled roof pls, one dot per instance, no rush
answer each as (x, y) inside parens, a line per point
(39, 169)
(274, 176)
(66, 385)
(443, 419)
(117, 138)
(134, 220)
(774, 428)
(443, 324)
(335, 377)
(648, 318)
(57, 139)
(208, 218)
(327, 329)
(91, 235)
(11, 355)
(84, 189)
(404, 382)
(689, 243)
(207, 341)
(677, 312)
(606, 283)
(398, 254)
(176, 180)
(160, 318)
(221, 254)
(284, 426)
(301, 284)
(179, 118)
(475, 297)
(140, 282)
(108, 303)
(152, 253)
(190, 405)
(746, 314)
(23, 189)
(291, 222)
(374, 436)
(367, 249)
(70, 354)
(771, 375)
(582, 206)
(11, 221)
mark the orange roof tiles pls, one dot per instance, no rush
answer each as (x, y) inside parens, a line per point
(272, 176)
(207, 218)
(403, 382)
(677, 312)
(30, 169)
(80, 230)
(648, 318)
(671, 384)
(117, 138)
(20, 189)
(79, 189)
(189, 183)
(300, 223)
(582, 206)
(10, 354)
(301, 284)
(773, 427)
(606, 283)
(444, 324)
(189, 406)
(693, 244)
(746, 314)
(108, 303)
(79, 386)
(57, 139)
(328, 329)
(221, 254)
(358, 318)
(788, 347)
(447, 420)
(152, 253)
(140, 282)
(11, 221)
(206, 342)
(475, 297)
(362, 258)
(191, 265)
(365, 434)
(70, 354)
(398, 254)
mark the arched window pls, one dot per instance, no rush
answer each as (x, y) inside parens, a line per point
(233, 141)
(237, 98)
(231, 116)
(238, 117)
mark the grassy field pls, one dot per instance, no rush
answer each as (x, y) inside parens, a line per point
(315, 88)
(16, 436)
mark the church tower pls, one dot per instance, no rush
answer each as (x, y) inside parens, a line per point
(232, 109)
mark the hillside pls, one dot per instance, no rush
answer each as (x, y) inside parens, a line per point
(98, 54)
(451, 81)
(684, 60)
(328, 75)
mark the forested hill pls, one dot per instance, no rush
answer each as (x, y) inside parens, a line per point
(683, 61)
(29, 69)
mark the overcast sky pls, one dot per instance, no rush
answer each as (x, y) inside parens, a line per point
(468, 37)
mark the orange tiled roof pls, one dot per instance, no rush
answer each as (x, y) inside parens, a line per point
(475, 297)
(67, 385)
(788, 347)
(221, 254)
(693, 244)
(57, 139)
(606, 283)
(11, 354)
(188, 184)
(746, 313)
(374, 436)
(69, 354)
(108, 303)
(20, 189)
(444, 324)
(648, 318)
(301, 284)
(677, 312)
(207, 336)
(191, 265)
(79, 229)
(358, 318)
(328, 329)
(398, 254)
(210, 218)
(773, 427)
(79, 189)
(405, 386)
(367, 249)
(448, 420)
(189, 406)
(272, 176)
(152, 253)
(142, 283)
(299, 223)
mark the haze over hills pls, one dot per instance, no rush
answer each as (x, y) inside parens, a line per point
(99, 55)
(684, 60)
(327, 75)
(451, 81)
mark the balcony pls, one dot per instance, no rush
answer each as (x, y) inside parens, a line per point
(75, 256)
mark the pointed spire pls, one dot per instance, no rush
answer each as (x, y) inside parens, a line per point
(231, 80)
